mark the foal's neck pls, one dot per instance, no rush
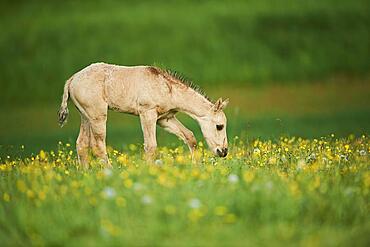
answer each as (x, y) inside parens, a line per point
(193, 104)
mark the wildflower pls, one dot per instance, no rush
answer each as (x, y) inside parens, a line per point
(132, 147)
(108, 227)
(233, 178)
(146, 199)
(30, 194)
(366, 179)
(6, 197)
(158, 162)
(195, 214)
(93, 201)
(301, 164)
(109, 192)
(362, 152)
(120, 201)
(107, 172)
(220, 211)
(294, 189)
(195, 203)
(180, 159)
(170, 209)
(138, 186)
(42, 155)
(248, 176)
(122, 159)
(272, 161)
(128, 183)
(230, 218)
(269, 185)
(21, 185)
(256, 151)
(42, 195)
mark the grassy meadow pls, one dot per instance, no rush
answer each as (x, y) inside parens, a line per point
(297, 76)
(286, 192)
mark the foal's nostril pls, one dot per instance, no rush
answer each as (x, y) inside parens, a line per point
(222, 152)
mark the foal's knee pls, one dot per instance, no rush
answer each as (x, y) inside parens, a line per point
(191, 141)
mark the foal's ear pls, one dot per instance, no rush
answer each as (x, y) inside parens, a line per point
(220, 104)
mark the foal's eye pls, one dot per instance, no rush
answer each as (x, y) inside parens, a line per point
(219, 126)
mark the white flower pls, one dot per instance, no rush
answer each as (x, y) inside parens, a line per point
(195, 203)
(138, 186)
(301, 164)
(362, 152)
(269, 185)
(107, 172)
(109, 192)
(233, 178)
(146, 199)
(158, 162)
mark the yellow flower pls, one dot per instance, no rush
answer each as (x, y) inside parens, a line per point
(366, 179)
(42, 195)
(230, 218)
(195, 214)
(248, 176)
(132, 147)
(122, 159)
(21, 185)
(120, 202)
(272, 161)
(42, 155)
(170, 209)
(294, 189)
(180, 159)
(6, 197)
(127, 183)
(220, 210)
(93, 201)
(30, 194)
(110, 228)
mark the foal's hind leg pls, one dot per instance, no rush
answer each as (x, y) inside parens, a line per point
(83, 143)
(97, 138)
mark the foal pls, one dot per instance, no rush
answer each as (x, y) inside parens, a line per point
(153, 94)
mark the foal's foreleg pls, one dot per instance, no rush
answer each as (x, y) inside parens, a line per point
(148, 121)
(175, 127)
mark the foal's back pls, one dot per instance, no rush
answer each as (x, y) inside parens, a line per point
(123, 88)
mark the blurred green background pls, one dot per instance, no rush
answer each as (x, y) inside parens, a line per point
(289, 67)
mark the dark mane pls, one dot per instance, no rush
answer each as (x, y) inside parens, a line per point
(178, 77)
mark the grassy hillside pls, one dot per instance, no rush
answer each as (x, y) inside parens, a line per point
(43, 42)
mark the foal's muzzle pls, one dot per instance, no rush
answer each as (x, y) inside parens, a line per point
(222, 152)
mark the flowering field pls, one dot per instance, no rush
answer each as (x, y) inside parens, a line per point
(285, 191)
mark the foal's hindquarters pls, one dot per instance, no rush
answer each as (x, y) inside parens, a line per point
(88, 94)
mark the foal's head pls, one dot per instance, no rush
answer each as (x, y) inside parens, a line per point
(213, 127)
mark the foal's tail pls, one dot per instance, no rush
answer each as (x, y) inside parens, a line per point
(63, 111)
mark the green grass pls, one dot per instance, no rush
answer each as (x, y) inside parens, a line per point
(257, 42)
(309, 110)
(285, 192)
